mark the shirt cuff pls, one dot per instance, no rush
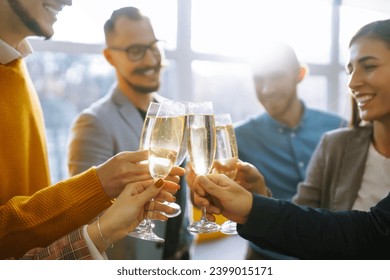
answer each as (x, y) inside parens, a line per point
(92, 248)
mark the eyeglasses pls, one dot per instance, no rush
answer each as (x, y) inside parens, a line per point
(138, 51)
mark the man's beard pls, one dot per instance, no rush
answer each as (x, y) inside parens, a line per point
(143, 89)
(27, 20)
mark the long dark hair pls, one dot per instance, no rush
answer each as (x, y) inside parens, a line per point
(377, 30)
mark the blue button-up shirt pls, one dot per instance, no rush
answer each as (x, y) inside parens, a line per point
(282, 153)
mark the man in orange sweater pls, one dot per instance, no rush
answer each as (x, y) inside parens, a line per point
(28, 222)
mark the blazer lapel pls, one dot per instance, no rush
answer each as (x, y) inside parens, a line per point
(128, 112)
(352, 168)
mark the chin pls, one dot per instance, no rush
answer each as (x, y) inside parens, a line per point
(48, 37)
(146, 90)
(47, 34)
(365, 116)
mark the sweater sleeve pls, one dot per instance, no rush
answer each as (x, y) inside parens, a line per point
(317, 233)
(33, 221)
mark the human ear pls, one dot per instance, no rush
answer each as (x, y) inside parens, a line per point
(303, 71)
(107, 55)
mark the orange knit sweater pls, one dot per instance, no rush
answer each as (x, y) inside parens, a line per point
(36, 221)
(39, 220)
(23, 157)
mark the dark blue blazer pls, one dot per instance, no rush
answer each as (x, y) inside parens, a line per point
(309, 233)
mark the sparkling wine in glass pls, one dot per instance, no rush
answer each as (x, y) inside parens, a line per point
(201, 149)
(147, 129)
(226, 157)
(165, 142)
(144, 142)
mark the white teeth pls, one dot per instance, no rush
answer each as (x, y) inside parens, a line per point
(53, 11)
(149, 72)
(362, 100)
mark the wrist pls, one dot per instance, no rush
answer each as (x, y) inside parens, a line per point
(97, 236)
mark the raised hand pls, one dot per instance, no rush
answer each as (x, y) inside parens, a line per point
(249, 177)
(129, 167)
(131, 207)
(222, 195)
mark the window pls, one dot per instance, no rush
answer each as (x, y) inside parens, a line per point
(83, 21)
(234, 27)
(207, 42)
(228, 85)
(351, 19)
(68, 83)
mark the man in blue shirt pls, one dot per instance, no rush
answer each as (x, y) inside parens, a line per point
(281, 141)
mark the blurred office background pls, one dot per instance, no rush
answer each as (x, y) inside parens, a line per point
(207, 42)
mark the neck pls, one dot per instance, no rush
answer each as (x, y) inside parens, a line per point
(292, 116)
(381, 137)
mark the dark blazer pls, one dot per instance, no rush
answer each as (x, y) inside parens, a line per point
(309, 233)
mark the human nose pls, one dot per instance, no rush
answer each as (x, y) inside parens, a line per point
(355, 80)
(267, 87)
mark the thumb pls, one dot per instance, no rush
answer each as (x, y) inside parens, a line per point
(209, 186)
(244, 167)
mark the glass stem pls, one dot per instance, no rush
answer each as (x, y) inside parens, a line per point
(148, 223)
(204, 214)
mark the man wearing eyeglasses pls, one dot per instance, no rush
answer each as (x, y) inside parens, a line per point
(114, 124)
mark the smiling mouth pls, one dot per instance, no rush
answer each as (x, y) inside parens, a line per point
(53, 11)
(147, 72)
(363, 100)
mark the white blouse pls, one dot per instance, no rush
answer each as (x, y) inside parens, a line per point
(376, 181)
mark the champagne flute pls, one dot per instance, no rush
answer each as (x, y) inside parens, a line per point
(150, 119)
(164, 146)
(147, 129)
(179, 160)
(226, 157)
(201, 149)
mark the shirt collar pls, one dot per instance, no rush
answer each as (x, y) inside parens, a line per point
(8, 53)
